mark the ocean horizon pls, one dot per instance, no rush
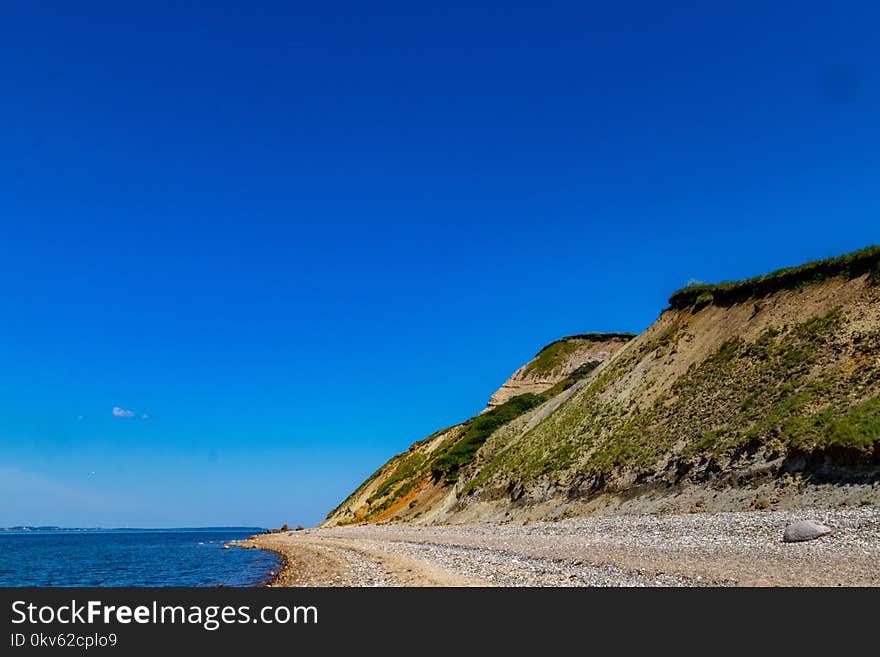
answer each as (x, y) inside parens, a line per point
(115, 557)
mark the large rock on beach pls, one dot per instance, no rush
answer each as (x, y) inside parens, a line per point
(805, 530)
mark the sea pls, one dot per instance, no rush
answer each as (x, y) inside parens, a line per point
(132, 557)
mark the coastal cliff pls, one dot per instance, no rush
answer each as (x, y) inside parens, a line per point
(557, 361)
(755, 394)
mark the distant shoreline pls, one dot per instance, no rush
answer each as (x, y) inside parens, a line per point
(138, 558)
(23, 529)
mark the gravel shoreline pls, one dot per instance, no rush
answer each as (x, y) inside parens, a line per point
(700, 549)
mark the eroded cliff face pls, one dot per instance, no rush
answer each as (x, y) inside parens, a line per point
(558, 360)
(759, 394)
(763, 403)
(412, 484)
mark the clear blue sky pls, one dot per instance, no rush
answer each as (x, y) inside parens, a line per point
(300, 236)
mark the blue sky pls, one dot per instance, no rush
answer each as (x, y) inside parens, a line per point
(300, 236)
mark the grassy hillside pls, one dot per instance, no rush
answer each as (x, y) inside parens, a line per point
(786, 392)
(751, 392)
(437, 461)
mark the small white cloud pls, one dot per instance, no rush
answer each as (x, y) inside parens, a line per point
(146, 416)
(121, 412)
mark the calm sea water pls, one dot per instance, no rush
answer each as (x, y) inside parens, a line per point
(165, 557)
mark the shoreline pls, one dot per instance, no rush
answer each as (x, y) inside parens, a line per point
(690, 550)
(283, 567)
(282, 571)
(312, 560)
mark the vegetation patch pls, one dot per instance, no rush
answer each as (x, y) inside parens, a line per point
(874, 276)
(580, 373)
(851, 265)
(409, 467)
(841, 428)
(448, 464)
(555, 355)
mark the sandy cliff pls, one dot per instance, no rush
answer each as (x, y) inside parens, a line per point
(756, 394)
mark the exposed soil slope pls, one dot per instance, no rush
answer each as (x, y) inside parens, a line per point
(758, 394)
(418, 479)
(558, 360)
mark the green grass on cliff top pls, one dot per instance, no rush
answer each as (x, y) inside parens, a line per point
(851, 265)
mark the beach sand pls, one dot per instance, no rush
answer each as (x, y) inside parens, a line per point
(700, 549)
